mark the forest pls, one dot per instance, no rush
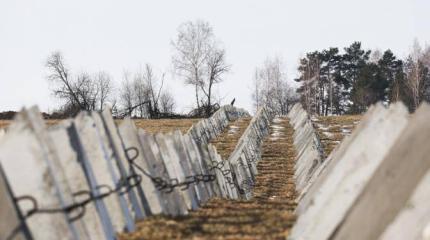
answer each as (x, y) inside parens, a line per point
(336, 82)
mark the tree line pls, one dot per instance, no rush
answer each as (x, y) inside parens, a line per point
(332, 81)
(198, 58)
(348, 82)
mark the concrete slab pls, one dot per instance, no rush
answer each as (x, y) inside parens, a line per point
(173, 202)
(12, 223)
(28, 173)
(100, 169)
(151, 198)
(392, 184)
(343, 184)
(134, 196)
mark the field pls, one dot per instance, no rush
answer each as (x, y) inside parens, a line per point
(150, 125)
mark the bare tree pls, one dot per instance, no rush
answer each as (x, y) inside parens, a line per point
(153, 90)
(145, 96)
(104, 88)
(416, 75)
(271, 87)
(216, 66)
(63, 85)
(82, 92)
(199, 59)
(256, 96)
(127, 95)
(140, 94)
(167, 103)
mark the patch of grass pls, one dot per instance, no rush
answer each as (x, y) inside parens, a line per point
(150, 125)
(333, 129)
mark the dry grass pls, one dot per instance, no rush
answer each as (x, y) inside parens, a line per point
(150, 125)
(227, 141)
(4, 123)
(269, 215)
(332, 129)
(165, 125)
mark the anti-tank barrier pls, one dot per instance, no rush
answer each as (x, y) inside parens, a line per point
(87, 178)
(244, 158)
(375, 184)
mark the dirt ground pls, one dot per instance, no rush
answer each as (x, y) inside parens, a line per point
(269, 215)
(165, 125)
(332, 129)
(227, 141)
(4, 123)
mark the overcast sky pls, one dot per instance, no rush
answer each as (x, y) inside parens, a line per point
(123, 35)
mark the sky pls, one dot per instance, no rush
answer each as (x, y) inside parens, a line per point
(117, 36)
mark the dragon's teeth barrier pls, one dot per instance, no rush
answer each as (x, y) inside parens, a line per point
(372, 185)
(87, 178)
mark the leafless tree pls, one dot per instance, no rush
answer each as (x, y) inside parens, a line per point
(63, 85)
(145, 96)
(375, 56)
(416, 74)
(199, 59)
(104, 88)
(271, 87)
(127, 95)
(140, 94)
(216, 67)
(256, 96)
(82, 92)
(167, 103)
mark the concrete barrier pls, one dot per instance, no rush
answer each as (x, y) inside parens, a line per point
(391, 186)
(101, 169)
(205, 130)
(350, 169)
(61, 140)
(307, 145)
(152, 200)
(413, 220)
(15, 226)
(173, 201)
(80, 171)
(244, 158)
(27, 169)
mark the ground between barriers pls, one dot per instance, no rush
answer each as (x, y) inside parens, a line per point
(269, 215)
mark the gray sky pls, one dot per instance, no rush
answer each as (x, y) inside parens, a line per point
(123, 35)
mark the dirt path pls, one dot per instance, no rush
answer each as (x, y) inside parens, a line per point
(269, 215)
